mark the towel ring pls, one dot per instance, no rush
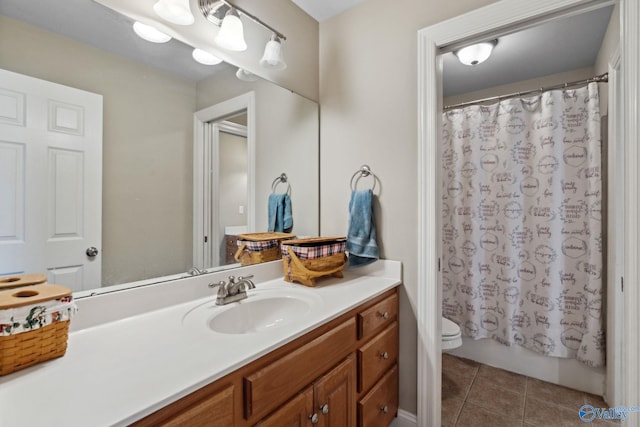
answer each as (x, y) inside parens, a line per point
(363, 172)
(282, 179)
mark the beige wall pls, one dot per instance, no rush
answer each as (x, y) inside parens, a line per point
(147, 148)
(368, 98)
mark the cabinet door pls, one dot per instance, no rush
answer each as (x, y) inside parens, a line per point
(295, 413)
(335, 396)
(213, 411)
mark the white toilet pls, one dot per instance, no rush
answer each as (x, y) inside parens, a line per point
(451, 335)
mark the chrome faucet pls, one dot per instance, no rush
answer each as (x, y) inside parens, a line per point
(234, 290)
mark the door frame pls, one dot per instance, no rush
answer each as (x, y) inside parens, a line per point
(493, 20)
(203, 204)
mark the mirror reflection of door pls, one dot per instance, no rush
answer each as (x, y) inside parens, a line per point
(50, 181)
(231, 218)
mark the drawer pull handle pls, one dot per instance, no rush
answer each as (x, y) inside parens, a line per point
(313, 418)
(324, 408)
(384, 315)
(384, 409)
(384, 355)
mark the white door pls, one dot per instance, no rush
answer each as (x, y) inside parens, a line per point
(50, 181)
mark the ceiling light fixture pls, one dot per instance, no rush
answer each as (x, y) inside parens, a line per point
(205, 57)
(149, 33)
(272, 57)
(475, 54)
(175, 11)
(231, 34)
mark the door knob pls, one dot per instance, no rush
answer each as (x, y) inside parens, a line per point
(92, 251)
(314, 418)
(325, 409)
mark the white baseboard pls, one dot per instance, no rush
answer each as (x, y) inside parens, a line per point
(405, 419)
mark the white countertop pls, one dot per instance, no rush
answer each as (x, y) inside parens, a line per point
(120, 371)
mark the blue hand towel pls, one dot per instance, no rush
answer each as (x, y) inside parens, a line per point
(280, 216)
(361, 237)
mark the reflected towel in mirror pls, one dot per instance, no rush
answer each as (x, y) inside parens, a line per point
(280, 213)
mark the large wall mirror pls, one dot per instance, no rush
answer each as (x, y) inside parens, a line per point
(150, 94)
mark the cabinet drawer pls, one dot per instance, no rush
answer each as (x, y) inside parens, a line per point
(377, 356)
(378, 316)
(380, 405)
(267, 388)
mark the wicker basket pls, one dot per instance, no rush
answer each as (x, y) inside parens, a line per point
(43, 335)
(306, 260)
(254, 248)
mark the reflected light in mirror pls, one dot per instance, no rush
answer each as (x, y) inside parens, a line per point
(475, 54)
(149, 33)
(175, 11)
(246, 76)
(205, 57)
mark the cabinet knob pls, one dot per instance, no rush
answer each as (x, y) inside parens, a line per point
(384, 355)
(384, 315)
(384, 409)
(324, 408)
(313, 418)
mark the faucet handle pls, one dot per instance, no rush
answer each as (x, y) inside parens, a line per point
(222, 288)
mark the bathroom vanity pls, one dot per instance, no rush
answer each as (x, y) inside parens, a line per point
(329, 356)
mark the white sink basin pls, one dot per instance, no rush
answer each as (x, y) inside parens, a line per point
(261, 311)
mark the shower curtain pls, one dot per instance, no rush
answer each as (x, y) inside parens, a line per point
(522, 232)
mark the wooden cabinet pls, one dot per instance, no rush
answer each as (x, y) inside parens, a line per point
(207, 407)
(295, 413)
(344, 372)
(329, 402)
(230, 248)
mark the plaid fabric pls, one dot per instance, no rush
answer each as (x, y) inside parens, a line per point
(259, 246)
(315, 252)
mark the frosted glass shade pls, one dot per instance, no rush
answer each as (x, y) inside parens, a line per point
(272, 57)
(475, 54)
(175, 11)
(205, 57)
(246, 76)
(231, 34)
(149, 33)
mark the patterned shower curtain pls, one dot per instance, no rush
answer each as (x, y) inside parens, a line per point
(522, 212)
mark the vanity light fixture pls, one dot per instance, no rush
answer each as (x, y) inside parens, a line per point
(272, 57)
(205, 57)
(149, 33)
(476, 53)
(227, 16)
(175, 11)
(231, 34)
(246, 76)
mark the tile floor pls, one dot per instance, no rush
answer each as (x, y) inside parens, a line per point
(476, 395)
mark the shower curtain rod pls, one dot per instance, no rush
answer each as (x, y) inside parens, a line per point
(602, 78)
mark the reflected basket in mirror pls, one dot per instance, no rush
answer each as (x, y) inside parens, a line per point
(306, 260)
(254, 248)
(10, 282)
(34, 325)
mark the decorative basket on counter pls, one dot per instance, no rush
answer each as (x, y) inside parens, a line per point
(306, 260)
(254, 248)
(34, 325)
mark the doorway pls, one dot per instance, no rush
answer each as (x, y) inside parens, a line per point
(495, 20)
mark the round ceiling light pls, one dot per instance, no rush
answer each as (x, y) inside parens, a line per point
(475, 54)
